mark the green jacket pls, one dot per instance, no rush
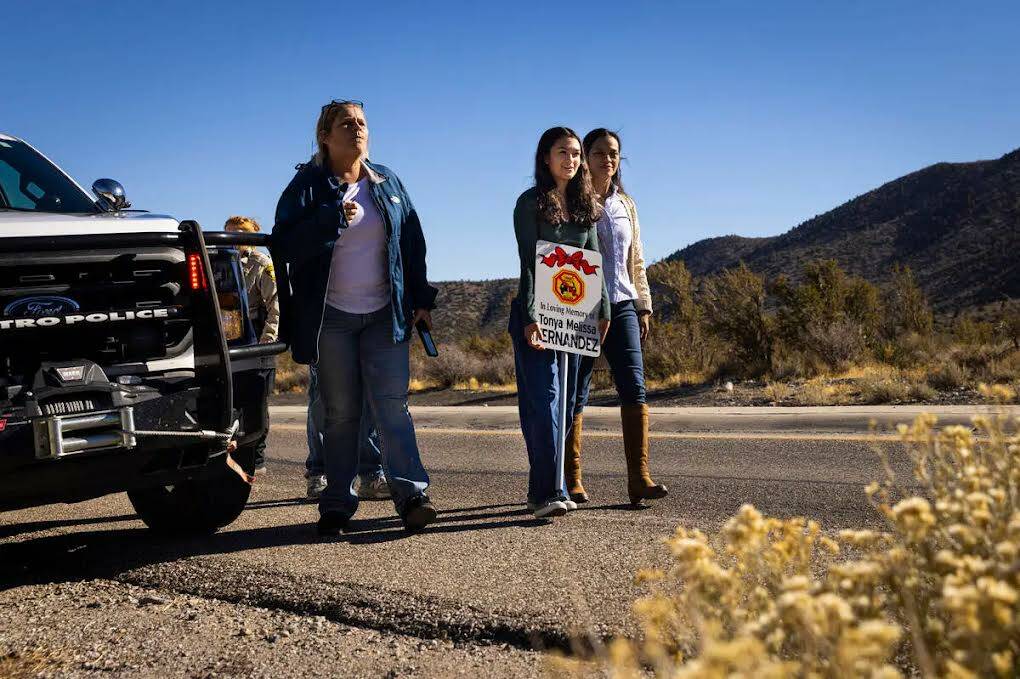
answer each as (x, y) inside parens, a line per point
(530, 228)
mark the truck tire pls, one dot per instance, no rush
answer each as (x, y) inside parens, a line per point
(193, 507)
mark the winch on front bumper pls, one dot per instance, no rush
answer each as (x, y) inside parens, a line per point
(75, 435)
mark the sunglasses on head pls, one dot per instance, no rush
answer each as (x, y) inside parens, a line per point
(344, 102)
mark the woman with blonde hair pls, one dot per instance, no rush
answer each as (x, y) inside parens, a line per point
(354, 244)
(623, 267)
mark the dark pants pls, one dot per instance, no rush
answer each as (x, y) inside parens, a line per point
(268, 377)
(538, 386)
(623, 353)
(369, 457)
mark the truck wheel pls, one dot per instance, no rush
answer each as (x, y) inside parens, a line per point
(197, 506)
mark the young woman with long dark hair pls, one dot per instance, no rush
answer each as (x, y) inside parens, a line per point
(560, 208)
(623, 267)
(354, 246)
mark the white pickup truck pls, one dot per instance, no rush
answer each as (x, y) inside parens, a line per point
(127, 358)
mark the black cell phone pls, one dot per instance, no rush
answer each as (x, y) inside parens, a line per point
(426, 339)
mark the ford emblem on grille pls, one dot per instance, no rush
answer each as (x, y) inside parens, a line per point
(43, 305)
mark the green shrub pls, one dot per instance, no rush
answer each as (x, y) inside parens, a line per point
(1007, 323)
(971, 332)
(673, 348)
(679, 342)
(830, 314)
(672, 289)
(734, 304)
(906, 308)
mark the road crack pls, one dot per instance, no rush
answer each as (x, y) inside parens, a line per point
(394, 612)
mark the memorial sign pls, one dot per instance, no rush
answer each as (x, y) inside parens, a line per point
(568, 294)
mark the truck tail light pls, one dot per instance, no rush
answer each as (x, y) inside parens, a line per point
(196, 272)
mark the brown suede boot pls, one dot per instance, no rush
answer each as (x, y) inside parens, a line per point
(572, 463)
(635, 445)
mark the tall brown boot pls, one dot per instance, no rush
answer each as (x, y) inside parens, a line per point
(572, 463)
(635, 445)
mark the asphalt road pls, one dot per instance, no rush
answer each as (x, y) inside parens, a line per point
(86, 591)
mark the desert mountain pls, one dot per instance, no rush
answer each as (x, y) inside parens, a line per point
(957, 225)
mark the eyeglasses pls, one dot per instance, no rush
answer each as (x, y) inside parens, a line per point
(343, 102)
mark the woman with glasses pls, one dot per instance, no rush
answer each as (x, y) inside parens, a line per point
(624, 270)
(560, 208)
(354, 245)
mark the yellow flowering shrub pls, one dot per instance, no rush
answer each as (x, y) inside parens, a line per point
(935, 593)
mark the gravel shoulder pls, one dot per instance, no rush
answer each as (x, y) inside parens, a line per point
(103, 628)
(746, 393)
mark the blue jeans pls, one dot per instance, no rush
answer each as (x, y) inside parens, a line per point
(538, 386)
(369, 456)
(623, 353)
(359, 362)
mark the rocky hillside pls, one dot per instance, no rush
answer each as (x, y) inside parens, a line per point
(471, 307)
(703, 257)
(957, 225)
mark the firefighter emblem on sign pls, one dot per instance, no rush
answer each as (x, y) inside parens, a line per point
(568, 287)
(568, 297)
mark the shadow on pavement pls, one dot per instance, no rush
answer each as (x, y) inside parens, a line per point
(374, 531)
(273, 504)
(109, 552)
(622, 506)
(16, 529)
(460, 510)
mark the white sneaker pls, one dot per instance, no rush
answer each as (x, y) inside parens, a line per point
(569, 504)
(550, 509)
(376, 489)
(316, 485)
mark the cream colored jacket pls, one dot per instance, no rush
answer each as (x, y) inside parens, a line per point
(636, 259)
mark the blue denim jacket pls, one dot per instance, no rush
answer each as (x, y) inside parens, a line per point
(308, 218)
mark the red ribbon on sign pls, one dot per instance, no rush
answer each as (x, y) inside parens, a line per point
(559, 257)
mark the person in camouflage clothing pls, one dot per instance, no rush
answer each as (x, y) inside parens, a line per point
(263, 309)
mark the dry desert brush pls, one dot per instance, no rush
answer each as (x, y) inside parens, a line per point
(933, 593)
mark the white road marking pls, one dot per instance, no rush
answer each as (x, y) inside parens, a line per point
(693, 435)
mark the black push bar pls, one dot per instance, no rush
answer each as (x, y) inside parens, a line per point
(186, 238)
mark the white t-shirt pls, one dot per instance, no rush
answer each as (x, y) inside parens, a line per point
(359, 281)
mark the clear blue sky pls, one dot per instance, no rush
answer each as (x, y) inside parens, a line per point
(737, 117)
